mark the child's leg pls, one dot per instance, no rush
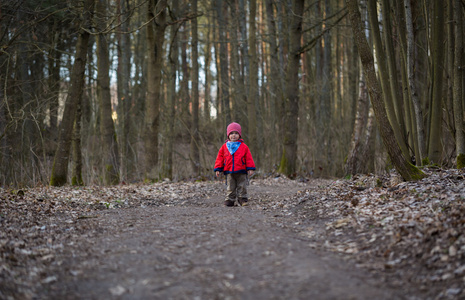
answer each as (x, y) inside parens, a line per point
(241, 182)
(232, 185)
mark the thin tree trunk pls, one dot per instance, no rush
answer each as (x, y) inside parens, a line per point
(195, 155)
(206, 71)
(54, 65)
(391, 63)
(354, 156)
(239, 66)
(411, 127)
(185, 96)
(320, 114)
(107, 127)
(291, 101)
(76, 175)
(405, 169)
(283, 43)
(28, 133)
(253, 81)
(167, 164)
(238, 87)
(412, 84)
(449, 68)
(458, 85)
(224, 78)
(60, 162)
(435, 143)
(124, 95)
(384, 78)
(326, 95)
(273, 78)
(367, 148)
(155, 40)
(410, 123)
(353, 82)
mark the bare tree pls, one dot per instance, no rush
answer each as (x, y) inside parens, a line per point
(458, 85)
(60, 163)
(124, 94)
(76, 175)
(109, 144)
(291, 101)
(169, 130)
(274, 79)
(438, 52)
(354, 157)
(156, 17)
(405, 168)
(195, 155)
(412, 83)
(253, 81)
(385, 80)
(223, 61)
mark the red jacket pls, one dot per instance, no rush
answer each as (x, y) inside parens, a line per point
(239, 162)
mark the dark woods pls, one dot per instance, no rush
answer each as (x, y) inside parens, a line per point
(103, 92)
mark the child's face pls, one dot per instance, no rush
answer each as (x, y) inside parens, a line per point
(234, 136)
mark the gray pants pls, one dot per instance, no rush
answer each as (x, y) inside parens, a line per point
(237, 186)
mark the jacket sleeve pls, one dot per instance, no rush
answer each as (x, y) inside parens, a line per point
(249, 163)
(219, 163)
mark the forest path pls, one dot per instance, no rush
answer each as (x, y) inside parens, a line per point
(199, 249)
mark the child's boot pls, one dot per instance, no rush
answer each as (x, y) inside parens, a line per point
(242, 201)
(228, 203)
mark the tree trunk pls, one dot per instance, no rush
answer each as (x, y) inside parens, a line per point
(405, 169)
(283, 43)
(207, 73)
(326, 96)
(367, 148)
(124, 95)
(109, 144)
(195, 155)
(385, 81)
(224, 78)
(185, 95)
(167, 164)
(60, 162)
(410, 124)
(155, 40)
(458, 86)
(412, 84)
(435, 141)
(273, 78)
(76, 175)
(320, 114)
(253, 81)
(353, 159)
(239, 63)
(392, 67)
(291, 101)
(27, 132)
(54, 65)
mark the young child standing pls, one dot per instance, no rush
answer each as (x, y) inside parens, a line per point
(235, 161)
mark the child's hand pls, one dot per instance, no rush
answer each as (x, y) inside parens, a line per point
(250, 172)
(217, 173)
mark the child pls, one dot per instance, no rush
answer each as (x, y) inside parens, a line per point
(235, 161)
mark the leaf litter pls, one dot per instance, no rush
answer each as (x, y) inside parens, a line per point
(409, 233)
(413, 233)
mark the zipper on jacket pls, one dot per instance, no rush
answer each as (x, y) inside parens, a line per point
(232, 163)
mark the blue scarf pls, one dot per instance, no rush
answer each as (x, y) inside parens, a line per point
(233, 146)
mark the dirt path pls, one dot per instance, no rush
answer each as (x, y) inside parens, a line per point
(198, 249)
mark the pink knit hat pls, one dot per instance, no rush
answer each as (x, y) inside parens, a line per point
(234, 127)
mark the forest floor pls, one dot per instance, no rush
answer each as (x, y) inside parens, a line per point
(364, 238)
